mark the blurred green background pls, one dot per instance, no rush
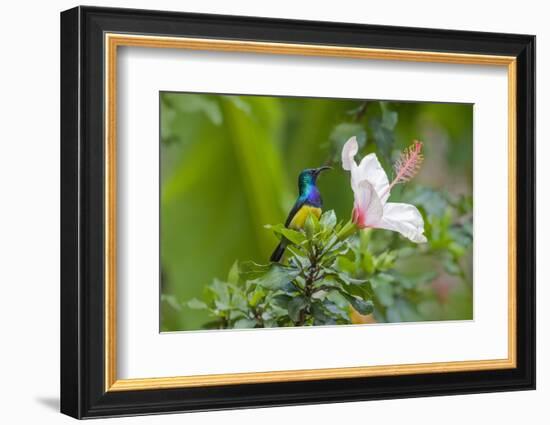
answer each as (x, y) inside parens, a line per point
(229, 165)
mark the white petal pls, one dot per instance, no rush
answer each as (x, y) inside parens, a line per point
(367, 207)
(349, 151)
(370, 169)
(405, 219)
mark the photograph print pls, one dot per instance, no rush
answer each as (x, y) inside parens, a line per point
(292, 211)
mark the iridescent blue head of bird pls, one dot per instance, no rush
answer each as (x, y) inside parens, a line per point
(309, 202)
(308, 178)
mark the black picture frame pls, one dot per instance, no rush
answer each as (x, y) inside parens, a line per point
(83, 392)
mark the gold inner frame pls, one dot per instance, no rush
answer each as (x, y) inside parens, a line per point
(113, 41)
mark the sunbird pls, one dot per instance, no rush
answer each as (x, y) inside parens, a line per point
(309, 202)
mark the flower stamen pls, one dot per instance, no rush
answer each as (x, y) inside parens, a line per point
(408, 164)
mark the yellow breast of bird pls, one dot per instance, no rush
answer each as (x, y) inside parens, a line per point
(300, 217)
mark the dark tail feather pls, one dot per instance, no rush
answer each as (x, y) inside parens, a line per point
(278, 253)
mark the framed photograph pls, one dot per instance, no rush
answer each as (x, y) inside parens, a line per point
(261, 212)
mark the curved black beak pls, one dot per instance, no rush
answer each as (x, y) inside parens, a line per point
(323, 168)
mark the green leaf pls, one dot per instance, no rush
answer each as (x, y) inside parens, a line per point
(276, 277)
(238, 299)
(290, 288)
(368, 262)
(311, 226)
(293, 236)
(328, 282)
(238, 102)
(245, 323)
(192, 103)
(430, 308)
(451, 267)
(432, 201)
(403, 311)
(233, 275)
(172, 301)
(383, 289)
(220, 291)
(389, 118)
(236, 314)
(299, 261)
(274, 227)
(456, 249)
(282, 300)
(347, 230)
(251, 270)
(394, 315)
(167, 118)
(328, 220)
(384, 261)
(382, 279)
(362, 306)
(256, 296)
(346, 265)
(348, 280)
(295, 307)
(383, 138)
(196, 304)
(363, 291)
(343, 277)
(383, 131)
(320, 314)
(335, 310)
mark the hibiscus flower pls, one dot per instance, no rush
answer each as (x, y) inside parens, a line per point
(371, 189)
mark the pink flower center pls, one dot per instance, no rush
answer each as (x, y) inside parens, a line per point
(359, 217)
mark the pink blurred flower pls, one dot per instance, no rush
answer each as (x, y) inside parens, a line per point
(371, 189)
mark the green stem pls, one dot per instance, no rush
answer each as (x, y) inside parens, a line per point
(311, 275)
